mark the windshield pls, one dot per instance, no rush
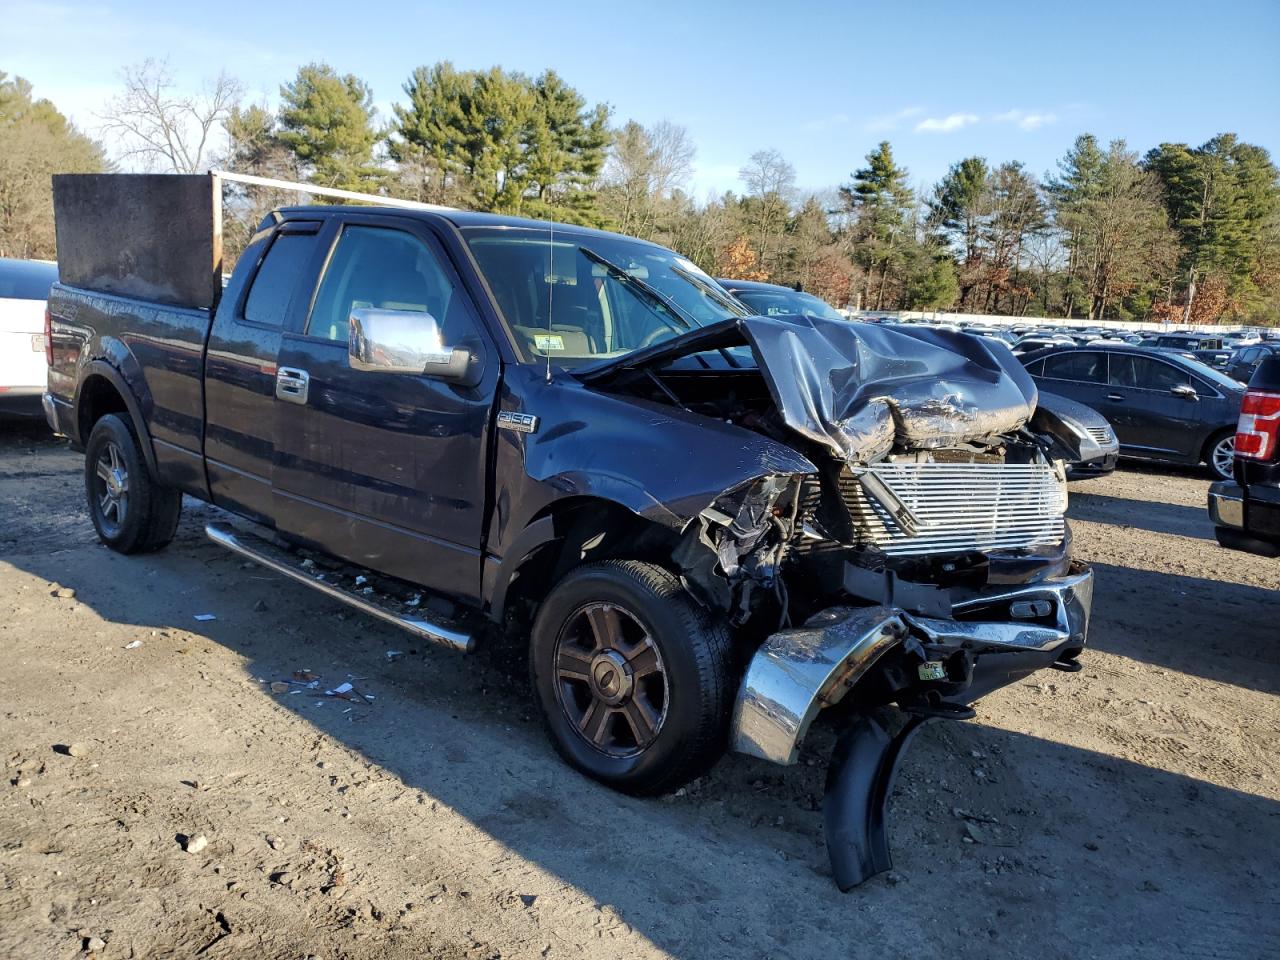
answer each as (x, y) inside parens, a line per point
(782, 303)
(588, 297)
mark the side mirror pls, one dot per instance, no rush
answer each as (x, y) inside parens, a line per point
(403, 341)
(1185, 391)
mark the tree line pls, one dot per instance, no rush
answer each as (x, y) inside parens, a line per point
(1181, 233)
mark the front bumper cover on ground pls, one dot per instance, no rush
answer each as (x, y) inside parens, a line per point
(797, 672)
(1002, 635)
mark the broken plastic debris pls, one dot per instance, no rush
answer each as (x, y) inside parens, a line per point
(414, 600)
(205, 616)
(361, 580)
(133, 645)
(340, 690)
(279, 686)
(394, 654)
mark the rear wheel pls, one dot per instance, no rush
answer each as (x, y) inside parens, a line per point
(633, 677)
(130, 511)
(1221, 455)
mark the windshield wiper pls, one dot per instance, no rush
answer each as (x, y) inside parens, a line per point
(645, 290)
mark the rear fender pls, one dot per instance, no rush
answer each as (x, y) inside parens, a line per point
(104, 370)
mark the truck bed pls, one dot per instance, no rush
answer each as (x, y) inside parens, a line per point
(158, 352)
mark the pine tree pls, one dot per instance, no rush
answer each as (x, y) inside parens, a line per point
(882, 204)
(327, 121)
(504, 142)
(1222, 198)
(1078, 184)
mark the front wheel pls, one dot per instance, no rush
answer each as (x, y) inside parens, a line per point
(1222, 455)
(130, 511)
(633, 677)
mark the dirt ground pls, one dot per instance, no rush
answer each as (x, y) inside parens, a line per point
(1130, 810)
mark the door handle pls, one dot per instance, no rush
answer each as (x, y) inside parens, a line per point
(292, 385)
(1115, 396)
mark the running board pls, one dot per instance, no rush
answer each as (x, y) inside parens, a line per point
(282, 562)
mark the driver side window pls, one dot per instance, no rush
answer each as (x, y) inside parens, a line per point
(387, 269)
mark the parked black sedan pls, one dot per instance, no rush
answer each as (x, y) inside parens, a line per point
(1162, 406)
(774, 300)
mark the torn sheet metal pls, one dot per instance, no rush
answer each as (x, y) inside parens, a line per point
(858, 388)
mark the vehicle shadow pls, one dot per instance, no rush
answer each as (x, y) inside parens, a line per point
(1088, 849)
(1214, 629)
(1177, 519)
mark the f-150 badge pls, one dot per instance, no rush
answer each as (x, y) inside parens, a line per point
(519, 422)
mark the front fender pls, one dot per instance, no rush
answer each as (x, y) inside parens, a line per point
(659, 462)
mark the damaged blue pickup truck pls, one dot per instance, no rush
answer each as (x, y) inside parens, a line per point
(710, 526)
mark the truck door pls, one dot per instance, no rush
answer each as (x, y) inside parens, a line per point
(386, 470)
(240, 382)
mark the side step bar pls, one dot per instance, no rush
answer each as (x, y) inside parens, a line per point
(273, 558)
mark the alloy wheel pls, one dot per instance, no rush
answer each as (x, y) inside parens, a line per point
(1223, 457)
(111, 492)
(610, 679)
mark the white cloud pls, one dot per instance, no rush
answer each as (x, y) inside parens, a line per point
(891, 121)
(1026, 119)
(948, 124)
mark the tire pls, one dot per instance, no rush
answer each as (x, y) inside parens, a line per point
(648, 742)
(130, 511)
(1220, 454)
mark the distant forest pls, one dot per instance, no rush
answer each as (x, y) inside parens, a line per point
(1180, 232)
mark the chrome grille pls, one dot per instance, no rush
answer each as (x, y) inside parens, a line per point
(961, 507)
(1100, 434)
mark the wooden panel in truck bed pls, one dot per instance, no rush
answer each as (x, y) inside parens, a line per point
(155, 237)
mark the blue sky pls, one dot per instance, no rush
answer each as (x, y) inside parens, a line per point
(821, 82)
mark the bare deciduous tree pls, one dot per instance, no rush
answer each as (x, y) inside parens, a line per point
(645, 166)
(163, 128)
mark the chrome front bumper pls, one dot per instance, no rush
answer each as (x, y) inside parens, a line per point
(797, 672)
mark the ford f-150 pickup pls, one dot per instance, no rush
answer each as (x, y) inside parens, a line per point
(710, 526)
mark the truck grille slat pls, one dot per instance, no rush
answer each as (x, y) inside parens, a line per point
(961, 507)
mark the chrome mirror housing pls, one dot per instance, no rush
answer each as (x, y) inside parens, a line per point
(402, 341)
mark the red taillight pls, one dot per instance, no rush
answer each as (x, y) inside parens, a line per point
(1259, 426)
(48, 338)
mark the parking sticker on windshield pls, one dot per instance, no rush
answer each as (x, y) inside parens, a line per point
(548, 341)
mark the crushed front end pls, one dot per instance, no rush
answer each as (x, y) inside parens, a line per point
(925, 581)
(923, 563)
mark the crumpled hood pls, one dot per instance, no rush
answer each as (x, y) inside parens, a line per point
(857, 388)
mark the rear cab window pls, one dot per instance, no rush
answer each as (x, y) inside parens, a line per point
(278, 276)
